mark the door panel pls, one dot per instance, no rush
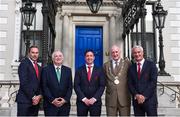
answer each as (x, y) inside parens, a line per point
(88, 38)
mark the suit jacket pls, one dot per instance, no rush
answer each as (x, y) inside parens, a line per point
(52, 89)
(117, 92)
(29, 83)
(147, 83)
(94, 88)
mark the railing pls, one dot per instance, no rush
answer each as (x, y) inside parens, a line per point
(175, 94)
(12, 87)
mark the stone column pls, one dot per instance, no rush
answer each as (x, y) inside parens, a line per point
(58, 26)
(17, 31)
(112, 30)
(65, 39)
(15, 63)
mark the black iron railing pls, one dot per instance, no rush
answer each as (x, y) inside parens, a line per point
(175, 94)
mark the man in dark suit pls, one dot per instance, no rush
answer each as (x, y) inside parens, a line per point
(57, 87)
(142, 82)
(89, 84)
(29, 93)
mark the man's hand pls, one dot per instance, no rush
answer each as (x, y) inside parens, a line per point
(36, 99)
(58, 102)
(92, 101)
(140, 98)
(86, 101)
(62, 101)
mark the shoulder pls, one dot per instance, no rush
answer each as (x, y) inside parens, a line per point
(66, 67)
(107, 63)
(25, 62)
(80, 68)
(49, 66)
(148, 61)
(126, 60)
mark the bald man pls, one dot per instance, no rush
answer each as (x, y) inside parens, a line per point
(57, 87)
(117, 97)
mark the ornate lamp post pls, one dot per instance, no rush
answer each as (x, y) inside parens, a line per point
(159, 16)
(94, 5)
(28, 13)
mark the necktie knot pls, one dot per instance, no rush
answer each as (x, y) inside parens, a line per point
(139, 64)
(89, 66)
(57, 68)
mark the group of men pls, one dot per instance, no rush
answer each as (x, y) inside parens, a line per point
(121, 78)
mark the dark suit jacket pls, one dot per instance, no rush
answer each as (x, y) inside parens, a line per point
(29, 83)
(94, 88)
(147, 83)
(52, 89)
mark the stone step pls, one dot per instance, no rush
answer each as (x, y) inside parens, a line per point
(12, 111)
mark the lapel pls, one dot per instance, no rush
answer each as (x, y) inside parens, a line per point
(111, 67)
(120, 64)
(135, 70)
(62, 72)
(84, 72)
(110, 70)
(144, 67)
(53, 73)
(93, 73)
(142, 70)
(30, 64)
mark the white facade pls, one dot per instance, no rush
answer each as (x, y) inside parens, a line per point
(67, 18)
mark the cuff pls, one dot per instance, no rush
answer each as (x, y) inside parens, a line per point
(94, 99)
(84, 99)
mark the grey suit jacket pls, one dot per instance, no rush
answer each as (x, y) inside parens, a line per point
(117, 93)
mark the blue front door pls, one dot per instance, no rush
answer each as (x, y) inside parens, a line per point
(88, 37)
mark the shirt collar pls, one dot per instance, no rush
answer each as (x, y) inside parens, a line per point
(142, 61)
(114, 62)
(55, 66)
(31, 61)
(92, 65)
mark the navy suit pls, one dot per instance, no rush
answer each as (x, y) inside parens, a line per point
(29, 87)
(146, 86)
(53, 89)
(93, 88)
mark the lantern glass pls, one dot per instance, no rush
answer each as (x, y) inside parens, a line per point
(28, 13)
(94, 5)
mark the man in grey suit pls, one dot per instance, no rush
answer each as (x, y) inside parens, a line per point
(117, 97)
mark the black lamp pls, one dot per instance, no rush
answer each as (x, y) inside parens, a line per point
(28, 13)
(94, 5)
(159, 16)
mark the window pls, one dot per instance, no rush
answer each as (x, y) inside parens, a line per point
(35, 32)
(150, 40)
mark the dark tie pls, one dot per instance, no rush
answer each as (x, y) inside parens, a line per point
(36, 69)
(139, 70)
(89, 73)
(116, 68)
(58, 73)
